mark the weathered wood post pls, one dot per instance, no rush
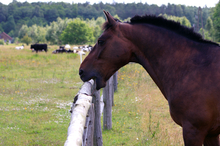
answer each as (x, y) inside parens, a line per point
(107, 113)
(111, 89)
(97, 137)
(115, 78)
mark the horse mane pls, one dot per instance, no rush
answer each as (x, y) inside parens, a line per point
(171, 25)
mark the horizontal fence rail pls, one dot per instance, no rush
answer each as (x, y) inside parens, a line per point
(79, 110)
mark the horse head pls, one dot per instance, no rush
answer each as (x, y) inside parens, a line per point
(111, 52)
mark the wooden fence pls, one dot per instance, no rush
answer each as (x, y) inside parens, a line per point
(85, 124)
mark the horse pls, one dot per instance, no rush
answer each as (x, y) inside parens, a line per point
(184, 66)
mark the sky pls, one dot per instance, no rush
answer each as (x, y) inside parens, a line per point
(202, 3)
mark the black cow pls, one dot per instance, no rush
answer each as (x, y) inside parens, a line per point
(69, 51)
(39, 47)
(62, 50)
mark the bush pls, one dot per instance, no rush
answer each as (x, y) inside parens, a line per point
(1, 42)
(26, 39)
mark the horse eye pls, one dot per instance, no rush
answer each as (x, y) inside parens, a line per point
(100, 42)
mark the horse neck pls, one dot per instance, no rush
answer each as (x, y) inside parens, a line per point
(162, 53)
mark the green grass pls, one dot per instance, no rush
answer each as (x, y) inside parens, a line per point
(37, 90)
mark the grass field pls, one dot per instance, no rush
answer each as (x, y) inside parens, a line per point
(37, 90)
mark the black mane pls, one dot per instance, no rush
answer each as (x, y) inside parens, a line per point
(171, 25)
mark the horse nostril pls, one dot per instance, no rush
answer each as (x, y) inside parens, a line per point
(80, 72)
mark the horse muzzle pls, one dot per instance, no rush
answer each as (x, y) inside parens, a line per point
(100, 83)
(83, 76)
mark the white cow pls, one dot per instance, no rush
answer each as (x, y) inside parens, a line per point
(75, 48)
(19, 47)
(67, 46)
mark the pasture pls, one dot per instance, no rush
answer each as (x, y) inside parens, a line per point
(37, 90)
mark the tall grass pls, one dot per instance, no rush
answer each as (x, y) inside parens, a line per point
(36, 91)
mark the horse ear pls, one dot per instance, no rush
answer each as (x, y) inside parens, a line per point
(109, 18)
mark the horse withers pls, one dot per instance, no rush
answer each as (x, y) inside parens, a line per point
(185, 67)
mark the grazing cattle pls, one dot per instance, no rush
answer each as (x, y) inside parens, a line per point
(85, 48)
(67, 46)
(75, 48)
(19, 47)
(54, 52)
(39, 47)
(69, 51)
(75, 51)
(62, 50)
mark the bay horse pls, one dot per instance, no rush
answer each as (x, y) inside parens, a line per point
(185, 67)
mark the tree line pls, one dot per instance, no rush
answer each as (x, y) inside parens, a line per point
(46, 17)
(62, 31)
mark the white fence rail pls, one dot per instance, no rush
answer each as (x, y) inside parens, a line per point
(79, 111)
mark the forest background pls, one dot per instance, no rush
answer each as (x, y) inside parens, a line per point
(80, 23)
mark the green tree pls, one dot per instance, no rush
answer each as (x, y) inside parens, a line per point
(96, 25)
(216, 21)
(33, 33)
(37, 33)
(51, 33)
(209, 27)
(26, 39)
(77, 32)
(117, 17)
(51, 14)
(100, 21)
(10, 25)
(37, 12)
(1, 29)
(178, 10)
(182, 20)
(23, 31)
(41, 37)
(206, 34)
(11, 33)
(16, 40)
(209, 24)
(2, 18)
(55, 29)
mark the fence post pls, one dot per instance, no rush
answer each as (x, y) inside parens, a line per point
(115, 78)
(97, 137)
(111, 89)
(107, 113)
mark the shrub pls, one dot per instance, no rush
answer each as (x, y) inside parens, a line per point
(26, 39)
(1, 42)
